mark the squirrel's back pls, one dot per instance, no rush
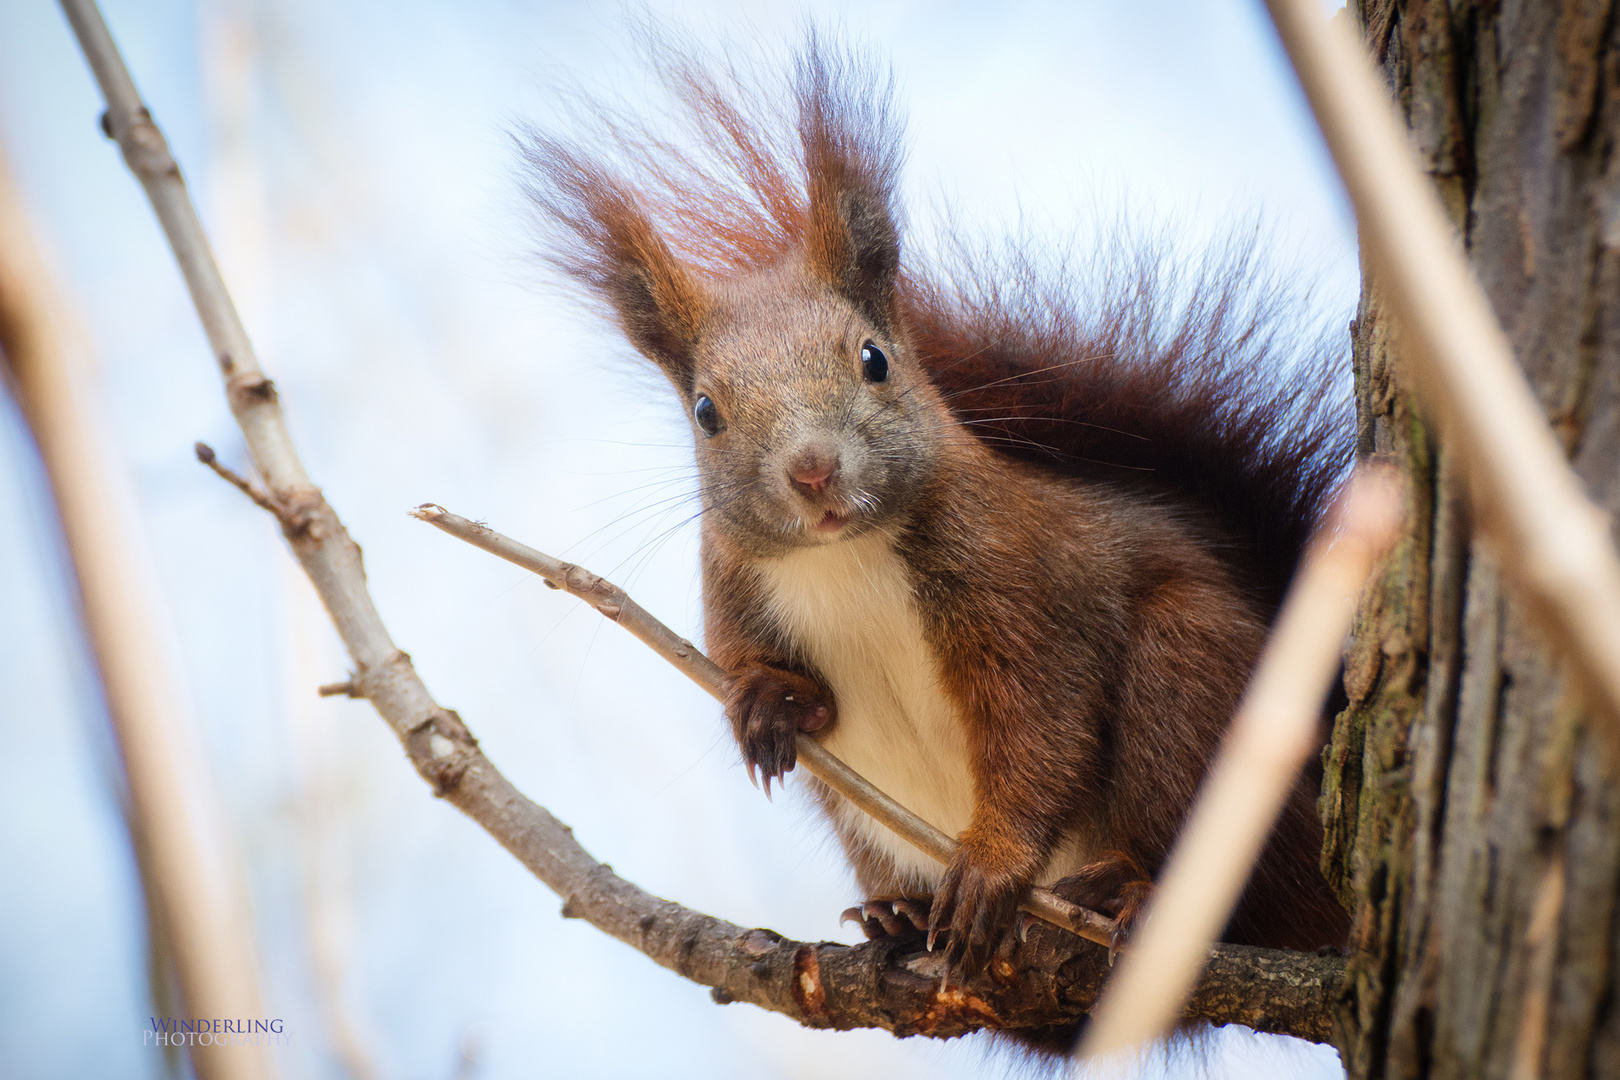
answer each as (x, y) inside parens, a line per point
(1216, 388)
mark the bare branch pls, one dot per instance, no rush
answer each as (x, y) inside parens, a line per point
(1050, 979)
(1274, 731)
(617, 605)
(1532, 504)
(206, 455)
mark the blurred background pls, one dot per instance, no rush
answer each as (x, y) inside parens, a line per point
(353, 162)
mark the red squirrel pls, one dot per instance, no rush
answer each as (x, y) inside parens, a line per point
(1009, 558)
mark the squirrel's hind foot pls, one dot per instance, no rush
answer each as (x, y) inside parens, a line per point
(900, 917)
(1115, 885)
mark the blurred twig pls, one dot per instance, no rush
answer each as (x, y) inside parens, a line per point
(1553, 540)
(195, 907)
(1541, 943)
(326, 858)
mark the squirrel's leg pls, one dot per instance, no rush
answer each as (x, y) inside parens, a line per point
(768, 699)
(1029, 783)
(976, 902)
(768, 706)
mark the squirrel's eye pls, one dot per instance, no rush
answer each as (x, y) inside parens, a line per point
(706, 415)
(874, 365)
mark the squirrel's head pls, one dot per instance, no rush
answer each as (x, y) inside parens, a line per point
(813, 422)
(769, 298)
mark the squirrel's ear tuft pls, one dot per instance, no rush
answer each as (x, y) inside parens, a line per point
(603, 238)
(660, 302)
(853, 245)
(852, 152)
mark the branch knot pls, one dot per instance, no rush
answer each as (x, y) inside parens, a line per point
(146, 151)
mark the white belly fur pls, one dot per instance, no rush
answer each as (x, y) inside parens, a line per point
(848, 607)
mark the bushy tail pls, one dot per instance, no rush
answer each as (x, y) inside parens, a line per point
(1209, 383)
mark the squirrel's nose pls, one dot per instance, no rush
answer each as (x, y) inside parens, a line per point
(812, 470)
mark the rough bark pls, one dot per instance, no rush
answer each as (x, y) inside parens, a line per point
(1472, 813)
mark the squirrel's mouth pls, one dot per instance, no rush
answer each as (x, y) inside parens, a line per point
(831, 522)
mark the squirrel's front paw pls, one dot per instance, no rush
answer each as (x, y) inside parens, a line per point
(768, 707)
(974, 907)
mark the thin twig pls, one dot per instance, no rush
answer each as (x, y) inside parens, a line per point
(820, 985)
(1553, 539)
(1274, 731)
(616, 604)
(1541, 943)
(206, 455)
(208, 935)
(346, 688)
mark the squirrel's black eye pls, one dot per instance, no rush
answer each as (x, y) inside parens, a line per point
(874, 365)
(706, 415)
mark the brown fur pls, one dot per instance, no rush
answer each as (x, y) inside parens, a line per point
(1093, 512)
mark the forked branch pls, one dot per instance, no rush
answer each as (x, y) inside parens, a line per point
(1050, 979)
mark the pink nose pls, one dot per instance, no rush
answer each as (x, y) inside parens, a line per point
(813, 470)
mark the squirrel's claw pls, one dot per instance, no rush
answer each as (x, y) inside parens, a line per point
(915, 912)
(975, 906)
(768, 708)
(1116, 885)
(899, 917)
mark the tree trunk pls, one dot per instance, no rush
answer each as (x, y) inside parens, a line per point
(1472, 810)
